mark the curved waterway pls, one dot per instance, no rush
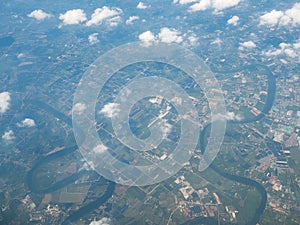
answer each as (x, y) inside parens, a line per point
(271, 90)
(32, 184)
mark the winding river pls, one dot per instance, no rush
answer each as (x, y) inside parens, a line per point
(271, 90)
(31, 179)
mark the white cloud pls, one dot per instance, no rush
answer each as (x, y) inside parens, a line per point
(147, 38)
(103, 221)
(114, 21)
(227, 116)
(217, 5)
(221, 4)
(105, 14)
(142, 5)
(4, 101)
(39, 14)
(272, 18)
(78, 108)
(8, 135)
(192, 40)
(296, 45)
(110, 110)
(282, 18)
(233, 20)
(294, 14)
(165, 128)
(99, 149)
(20, 55)
(247, 44)
(74, 16)
(167, 35)
(273, 52)
(290, 50)
(201, 6)
(184, 2)
(217, 41)
(131, 19)
(93, 39)
(27, 122)
(232, 116)
(290, 53)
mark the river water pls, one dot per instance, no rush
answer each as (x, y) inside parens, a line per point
(32, 184)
